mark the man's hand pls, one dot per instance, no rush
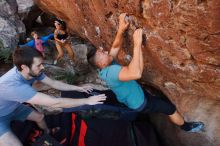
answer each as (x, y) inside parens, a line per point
(137, 37)
(123, 23)
(85, 88)
(97, 99)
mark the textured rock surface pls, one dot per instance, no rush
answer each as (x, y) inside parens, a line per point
(24, 7)
(12, 13)
(182, 56)
(10, 24)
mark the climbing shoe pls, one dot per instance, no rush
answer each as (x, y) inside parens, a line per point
(193, 126)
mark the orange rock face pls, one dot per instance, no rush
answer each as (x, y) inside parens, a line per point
(182, 53)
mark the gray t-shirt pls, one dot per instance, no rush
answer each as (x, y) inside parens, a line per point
(14, 90)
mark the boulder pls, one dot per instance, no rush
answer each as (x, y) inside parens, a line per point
(182, 53)
(11, 27)
(24, 7)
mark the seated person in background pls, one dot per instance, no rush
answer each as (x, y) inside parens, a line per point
(38, 42)
(62, 41)
(16, 88)
(121, 79)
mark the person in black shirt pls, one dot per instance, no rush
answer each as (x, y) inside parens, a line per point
(62, 41)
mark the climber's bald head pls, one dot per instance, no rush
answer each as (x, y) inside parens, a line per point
(99, 58)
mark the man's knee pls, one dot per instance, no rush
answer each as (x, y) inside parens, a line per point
(40, 117)
(9, 139)
(36, 116)
(157, 105)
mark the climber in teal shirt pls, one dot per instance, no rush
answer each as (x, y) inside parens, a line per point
(110, 75)
(122, 79)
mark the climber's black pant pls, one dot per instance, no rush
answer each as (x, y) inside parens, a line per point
(157, 104)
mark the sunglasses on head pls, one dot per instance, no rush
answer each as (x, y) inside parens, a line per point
(57, 23)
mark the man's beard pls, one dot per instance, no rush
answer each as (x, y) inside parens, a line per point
(33, 74)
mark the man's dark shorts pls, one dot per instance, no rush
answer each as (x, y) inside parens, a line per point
(155, 104)
(20, 113)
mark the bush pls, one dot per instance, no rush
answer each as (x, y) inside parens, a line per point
(5, 53)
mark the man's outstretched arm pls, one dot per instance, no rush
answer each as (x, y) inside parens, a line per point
(134, 70)
(116, 46)
(63, 86)
(46, 100)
